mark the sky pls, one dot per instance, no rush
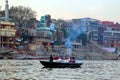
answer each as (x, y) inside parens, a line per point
(72, 9)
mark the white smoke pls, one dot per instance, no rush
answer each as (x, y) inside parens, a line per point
(51, 26)
(74, 32)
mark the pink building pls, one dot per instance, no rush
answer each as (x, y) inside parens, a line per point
(111, 34)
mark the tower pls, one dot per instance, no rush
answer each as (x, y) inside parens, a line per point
(6, 11)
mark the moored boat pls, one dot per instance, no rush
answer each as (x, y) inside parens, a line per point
(49, 64)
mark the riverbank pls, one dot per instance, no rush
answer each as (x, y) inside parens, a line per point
(97, 55)
(87, 55)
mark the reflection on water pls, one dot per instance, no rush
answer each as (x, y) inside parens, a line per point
(33, 70)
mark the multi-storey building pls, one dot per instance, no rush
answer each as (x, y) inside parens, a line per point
(111, 34)
(90, 26)
(44, 34)
(58, 34)
(7, 34)
(67, 25)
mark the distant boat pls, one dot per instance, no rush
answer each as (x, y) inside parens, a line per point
(48, 64)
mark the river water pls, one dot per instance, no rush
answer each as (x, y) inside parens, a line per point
(33, 70)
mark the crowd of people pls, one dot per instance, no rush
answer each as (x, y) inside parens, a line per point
(62, 59)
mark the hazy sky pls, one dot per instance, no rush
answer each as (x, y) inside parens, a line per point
(68, 9)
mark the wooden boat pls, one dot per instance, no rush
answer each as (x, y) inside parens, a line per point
(48, 64)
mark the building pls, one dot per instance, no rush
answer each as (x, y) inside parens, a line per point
(8, 34)
(67, 25)
(7, 30)
(48, 20)
(92, 26)
(111, 34)
(60, 28)
(44, 33)
(45, 21)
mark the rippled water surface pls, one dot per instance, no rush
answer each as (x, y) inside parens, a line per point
(33, 70)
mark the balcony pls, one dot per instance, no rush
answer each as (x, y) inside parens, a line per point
(10, 33)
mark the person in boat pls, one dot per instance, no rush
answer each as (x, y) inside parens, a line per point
(72, 60)
(51, 58)
(68, 60)
(59, 59)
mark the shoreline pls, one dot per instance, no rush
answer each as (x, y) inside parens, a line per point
(87, 54)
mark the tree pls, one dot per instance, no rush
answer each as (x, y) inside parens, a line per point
(2, 13)
(83, 37)
(64, 32)
(20, 15)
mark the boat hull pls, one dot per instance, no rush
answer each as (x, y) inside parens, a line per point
(48, 64)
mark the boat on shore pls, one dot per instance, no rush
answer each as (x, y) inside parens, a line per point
(48, 64)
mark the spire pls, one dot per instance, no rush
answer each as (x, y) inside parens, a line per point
(6, 11)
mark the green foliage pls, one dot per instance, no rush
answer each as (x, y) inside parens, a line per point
(64, 32)
(83, 37)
